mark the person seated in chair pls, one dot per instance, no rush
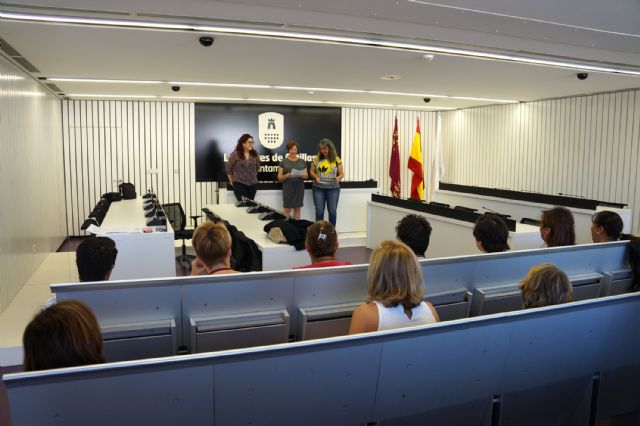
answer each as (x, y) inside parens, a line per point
(491, 233)
(212, 243)
(606, 226)
(415, 232)
(396, 292)
(557, 227)
(96, 258)
(321, 244)
(65, 334)
(545, 285)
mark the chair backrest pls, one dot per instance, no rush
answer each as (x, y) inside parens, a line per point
(481, 371)
(175, 216)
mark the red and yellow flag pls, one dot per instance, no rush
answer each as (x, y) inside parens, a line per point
(415, 165)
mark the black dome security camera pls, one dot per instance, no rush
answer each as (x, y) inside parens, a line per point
(427, 100)
(582, 75)
(206, 41)
(175, 88)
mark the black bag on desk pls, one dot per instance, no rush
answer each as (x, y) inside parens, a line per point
(128, 191)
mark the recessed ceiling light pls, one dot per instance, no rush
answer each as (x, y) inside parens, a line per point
(390, 77)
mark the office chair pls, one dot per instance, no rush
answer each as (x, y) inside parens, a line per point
(178, 220)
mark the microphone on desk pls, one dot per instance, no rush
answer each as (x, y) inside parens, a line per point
(571, 195)
(489, 210)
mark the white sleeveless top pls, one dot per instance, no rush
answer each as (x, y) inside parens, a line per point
(391, 318)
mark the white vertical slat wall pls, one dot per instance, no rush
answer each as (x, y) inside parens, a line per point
(366, 144)
(32, 220)
(151, 144)
(585, 146)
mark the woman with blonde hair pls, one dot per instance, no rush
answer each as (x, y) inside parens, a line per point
(212, 243)
(545, 285)
(396, 292)
(65, 334)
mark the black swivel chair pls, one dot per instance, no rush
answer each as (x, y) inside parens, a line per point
(178, 220)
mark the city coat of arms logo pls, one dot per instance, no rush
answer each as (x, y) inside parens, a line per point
(271, 129)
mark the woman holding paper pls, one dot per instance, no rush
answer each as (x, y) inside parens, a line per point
(292, 172)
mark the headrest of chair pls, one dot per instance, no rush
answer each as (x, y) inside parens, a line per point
(259, 209)
(245, 203)
(271, 216)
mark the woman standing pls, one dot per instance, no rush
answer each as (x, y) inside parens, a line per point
(292, 172)
(326, 172)
(242, 168)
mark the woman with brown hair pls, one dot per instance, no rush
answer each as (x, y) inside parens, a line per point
(242, 168)
(396, 292)
(65, 334)
(321, 244)
(292, 171)
(545, 285)
(212, 243)
(557, 227)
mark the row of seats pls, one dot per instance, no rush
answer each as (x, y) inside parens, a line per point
(198, 314)
(571, 364)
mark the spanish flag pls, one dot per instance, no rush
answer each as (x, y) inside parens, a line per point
(415, 165)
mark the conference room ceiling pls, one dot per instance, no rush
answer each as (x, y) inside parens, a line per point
(76, 51)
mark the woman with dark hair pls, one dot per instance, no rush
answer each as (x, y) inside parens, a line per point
(321, 244)
(66, 334)
(606, 226)
(326, 171)
(491, 233)
(242, 168)
(396, 292)
(292, 171)
(557, 227)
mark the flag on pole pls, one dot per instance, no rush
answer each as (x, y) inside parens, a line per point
(415, 165)
(437, 165)
(394, 164)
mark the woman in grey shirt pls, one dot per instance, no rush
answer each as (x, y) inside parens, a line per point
(292, 172)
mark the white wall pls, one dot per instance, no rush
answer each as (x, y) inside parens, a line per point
(32, 217)
(586, 146)
(109, 141)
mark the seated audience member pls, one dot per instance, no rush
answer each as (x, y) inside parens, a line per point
(606, 226)
(66, 334)
(212, 243)
(396, 290)
(95, 258)
(557, 227)
(491, 233)
(545, 285)
(414, 231)
(321, 244)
